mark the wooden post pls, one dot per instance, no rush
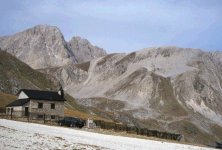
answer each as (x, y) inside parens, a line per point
(11, 113)
(28, 116)
(44, 118)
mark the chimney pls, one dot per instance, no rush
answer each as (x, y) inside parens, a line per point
(61, 92)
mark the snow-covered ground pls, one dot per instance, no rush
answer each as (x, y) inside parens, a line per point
(21, 135)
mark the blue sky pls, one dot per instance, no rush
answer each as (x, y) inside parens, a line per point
(122, 25)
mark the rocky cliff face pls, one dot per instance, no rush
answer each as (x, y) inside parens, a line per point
(166, 88)
(44, 47)
(40, 47)
(83, 50)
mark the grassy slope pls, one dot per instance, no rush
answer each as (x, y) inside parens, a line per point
(192, 133)
(5, 99)
(16, 75)
(76, 110)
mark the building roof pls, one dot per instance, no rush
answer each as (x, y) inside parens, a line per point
(18, 102)
(43, 95)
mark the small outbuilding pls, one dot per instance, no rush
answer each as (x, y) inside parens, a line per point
(37, 104)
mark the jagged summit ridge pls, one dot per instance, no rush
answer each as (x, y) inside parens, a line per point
(84, 50)
(44, 46)
(40, 47)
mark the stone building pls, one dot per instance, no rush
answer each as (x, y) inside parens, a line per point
(37, 104)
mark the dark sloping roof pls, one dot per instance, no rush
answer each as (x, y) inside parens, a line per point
(18, 102)
(42, 95)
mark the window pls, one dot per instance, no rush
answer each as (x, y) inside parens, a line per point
(52, 106)
(40, 116)
(40, 105)
(52, 117)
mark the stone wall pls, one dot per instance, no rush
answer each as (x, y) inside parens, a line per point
(39, 113)
(18, 111)
(35, 112)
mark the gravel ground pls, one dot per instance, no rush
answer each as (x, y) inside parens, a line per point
(22, 135)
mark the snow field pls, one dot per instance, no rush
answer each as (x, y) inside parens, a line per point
(21, 135)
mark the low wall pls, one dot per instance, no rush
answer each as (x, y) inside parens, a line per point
(138, 131)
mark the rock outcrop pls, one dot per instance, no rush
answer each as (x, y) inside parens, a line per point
(44, 46)
(39, 47)
(83, 50)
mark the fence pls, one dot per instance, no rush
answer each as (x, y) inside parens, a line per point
(33, 117)
(138, 131)
(118, 127)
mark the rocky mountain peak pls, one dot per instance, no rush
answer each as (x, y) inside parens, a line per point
(40, 47)
(84, 50)
(80, 40)
(44, 46)
(42, 29)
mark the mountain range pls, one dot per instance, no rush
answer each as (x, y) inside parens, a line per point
(165, 88)
(44, 46)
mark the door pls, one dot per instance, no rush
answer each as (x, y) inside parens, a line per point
(26, 111)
